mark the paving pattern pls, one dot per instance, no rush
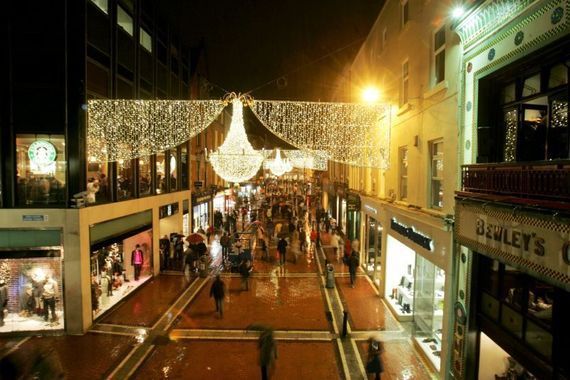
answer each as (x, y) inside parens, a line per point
(168, 328)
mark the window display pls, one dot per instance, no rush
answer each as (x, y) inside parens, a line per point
(496, 363)
(97, 182)
(200, 216)
(428, 304)
(31, 291)
(125, 179)
(372, 264)
(400, 262)
(41, 167)
(145, 176)
(160, 173)
(119, 268)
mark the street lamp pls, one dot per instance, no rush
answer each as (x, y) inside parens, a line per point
(370, 94)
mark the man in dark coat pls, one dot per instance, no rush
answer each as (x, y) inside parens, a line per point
(218, 291)
(282, 248)
(353, 262)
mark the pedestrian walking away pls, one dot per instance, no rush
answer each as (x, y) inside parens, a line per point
(282, 248)
(267, 349)
(244, 270)
(218, 291)
(374, 366)
(353, 263)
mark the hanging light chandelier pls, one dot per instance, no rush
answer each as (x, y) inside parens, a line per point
(236, 160)
(278, 166)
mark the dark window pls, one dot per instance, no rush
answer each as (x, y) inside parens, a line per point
(125, 179)
(145, 175)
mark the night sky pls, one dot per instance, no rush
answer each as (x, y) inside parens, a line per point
(251, 43)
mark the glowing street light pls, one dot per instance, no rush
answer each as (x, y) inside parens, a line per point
(370, 94)
(457, 12)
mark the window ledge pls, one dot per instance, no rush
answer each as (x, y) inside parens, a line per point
(403, 109)
(441, 86)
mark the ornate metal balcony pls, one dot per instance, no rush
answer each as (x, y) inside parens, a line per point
(547, 181)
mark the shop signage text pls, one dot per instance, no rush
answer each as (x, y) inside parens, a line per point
(34, 218)
(527, 241)
(371, 209)
(352, 202)
(411, 233)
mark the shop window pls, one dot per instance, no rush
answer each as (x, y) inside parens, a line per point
(513, 289)
(405, 81)
(489, 276)
(539, 339)
(145, 176)
(403, 172)
(97, 182)
(184, 167)
(558, 139)
(439, 55)
(32, 280)
(125, 179)
(436, 169)
(102, 5)
(511, 122)
(558, 76)
(531, 86)
(40, 169)
(124, 20)
(541, 301)
(508, 93)
(512, 321)
(145, 39)
(160, 173)
(173, 169)
(532, 133)
(404, 12)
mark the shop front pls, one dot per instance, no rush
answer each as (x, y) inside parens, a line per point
(372, 240)
(201, 211)
(418, 258)
(513, 291)
(353, 216)
(31, 280)
(121, 259)
(219, 203)
(185, 217)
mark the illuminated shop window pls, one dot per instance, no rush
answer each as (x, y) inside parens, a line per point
(125, 179)
(145, 176)
(97, 182)
(41, 168)
(124, 20)
(145, 40)
(102, 4)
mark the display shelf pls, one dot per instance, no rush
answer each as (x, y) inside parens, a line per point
(428, 351)
(397, 310)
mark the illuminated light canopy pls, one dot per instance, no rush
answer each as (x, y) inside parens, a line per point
(356, 134)
(127, 129)
(308, 159)
(278, 166)
(236, 160)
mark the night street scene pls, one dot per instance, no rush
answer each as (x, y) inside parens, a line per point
(295, 189)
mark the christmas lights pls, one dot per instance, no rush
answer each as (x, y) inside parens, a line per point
(308, 159)
(278, 166)
(236, 160)
(126, 129)
(356, 134)
(511, 121)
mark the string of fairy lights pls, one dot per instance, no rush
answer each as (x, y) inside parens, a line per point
(352, 133)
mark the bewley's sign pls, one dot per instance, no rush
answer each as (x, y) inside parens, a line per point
(537, 244)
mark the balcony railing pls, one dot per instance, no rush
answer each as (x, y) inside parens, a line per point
(542, 180)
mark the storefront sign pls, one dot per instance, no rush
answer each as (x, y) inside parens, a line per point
(198, 184)
(539, 244)
(352, 202)
(201, 199)
(411, 233)
(34, 218)
(168, 210)
(42, 155)
(371, 209)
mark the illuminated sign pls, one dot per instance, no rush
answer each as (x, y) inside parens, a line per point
(411, 233)
(42, 156)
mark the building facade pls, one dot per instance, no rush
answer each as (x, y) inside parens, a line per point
(405, 210)
(512, 278)
(69, 224)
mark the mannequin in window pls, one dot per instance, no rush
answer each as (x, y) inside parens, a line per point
(137, 260)
(49, 295)
(106, 289)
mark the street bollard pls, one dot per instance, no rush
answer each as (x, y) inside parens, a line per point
(330, 276)
(344, 323)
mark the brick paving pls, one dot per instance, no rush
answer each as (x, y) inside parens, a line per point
(283, 303)
(366, 309)
(138, 311)
(91, 356)
(239, 360)
(400, 361)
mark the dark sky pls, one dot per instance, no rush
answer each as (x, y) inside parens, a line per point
(251, 43)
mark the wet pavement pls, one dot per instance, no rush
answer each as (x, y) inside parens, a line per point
(168, 328)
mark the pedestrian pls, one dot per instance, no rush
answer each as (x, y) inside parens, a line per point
(302, 240)
(313, 238)
(218, 291)
(374, 364)
(335, 243)
(264, 253)
(188, 260)
(267, 352)
(244, 270)
(353, 263)
(164, 245)
(282, 249)
(225, 242)
(3, 300)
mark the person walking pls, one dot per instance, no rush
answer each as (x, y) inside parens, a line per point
(335, 241)
(225, 242)
(267, 352)
(264, 253)
(374, 366)
(282, 248)
(137, 260)
(353, 262)
(244, 270)
(218, 291)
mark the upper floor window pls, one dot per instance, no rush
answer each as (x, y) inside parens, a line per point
(40, 169)
(439, 55)
(102, 4)
(436, 174)
(405, 12)
(403, 160)
(145, 40)
(124, 20)
(405, 82)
